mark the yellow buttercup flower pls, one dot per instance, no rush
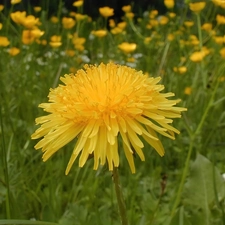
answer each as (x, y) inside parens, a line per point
(222, 52)
(127, 47)
(197, 56)
(54, 19)
(55, 41)
(18, 17)
(163, 20)
(68, 22)
(80, 17)
(106, 11)
(30, 22)
(1, 7)
(188, 90)
(1, 26)
(100, 105)
(220, 19)
(197, 7)
(169, 4)
(4, 41)
(78, 3)
(207, 26)
(13, 2)
(126, 8)
(14, 51)
(99, 33)
(188, 23)
(37, 8)
(27, 37)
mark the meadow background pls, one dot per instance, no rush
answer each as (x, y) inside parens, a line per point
(184, 46)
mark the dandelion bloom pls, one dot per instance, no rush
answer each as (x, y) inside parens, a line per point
(197, 7)
(100, 105)
(106, 11)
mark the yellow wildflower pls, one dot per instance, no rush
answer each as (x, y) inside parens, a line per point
(188, 23)
(207, 26)
(126, 8)
(169, 4)
(127, 47)
(0, 26)
(112, 23)
(197, 7)
(106, 11)
(153, 14)
(100, 104)
(220, 19)
(197, 56)
(55, 41)
(78, 3)
(30, 22)
(13, 2)
(4, 41)
(80, 17)
(1, 7)
(129, 15)
(54, 19)
(18, 17)
(99, 33)
(14, 51)
(163, 20)
(222, 52)
(68, 22)
(37, 8)
(188, 90)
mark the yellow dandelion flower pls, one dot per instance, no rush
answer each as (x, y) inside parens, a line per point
(14, 51)
(101, 104)
(197, 7)
(4, 41)
(127, 47)
(106, 11)
(169, 4)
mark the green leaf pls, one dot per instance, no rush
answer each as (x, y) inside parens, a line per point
(23, 222)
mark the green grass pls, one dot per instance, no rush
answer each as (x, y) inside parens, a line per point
(184, 187)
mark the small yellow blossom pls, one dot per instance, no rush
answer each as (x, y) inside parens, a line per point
(172, 14)
(27, 37)
(70, 52)
(78, 3)
(116, 30)
(122, 25)
(182, 69)
(207, 26)
(0, 26)
(37, 8)
(188, 90)
(54, 19)
(163, 20)
(147, 40)
(153, 14)
(37, 33)
(126, 8)
(197, 56)
(103, 107)
(18, 17)
(13, 2)
(222, 52)
(219, 39)
(1, 7)
(188, 23)
(220, 19)
(127, 47)
(106, 11)
(112, 23)
(197, 7)
(30, 22)
(99, 33)
(14, 51)
(129, 15)
(169, 4)
(170, 37)
(68, 22)
(4, 41)
(80, 17)
(55, 41)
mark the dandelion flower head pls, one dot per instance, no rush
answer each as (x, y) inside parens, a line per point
(100, 105)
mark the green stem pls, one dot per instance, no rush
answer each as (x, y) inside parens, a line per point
(119, 195)
(6, 172)
(165, 52)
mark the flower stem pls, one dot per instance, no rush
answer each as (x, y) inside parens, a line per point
(119, 196)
